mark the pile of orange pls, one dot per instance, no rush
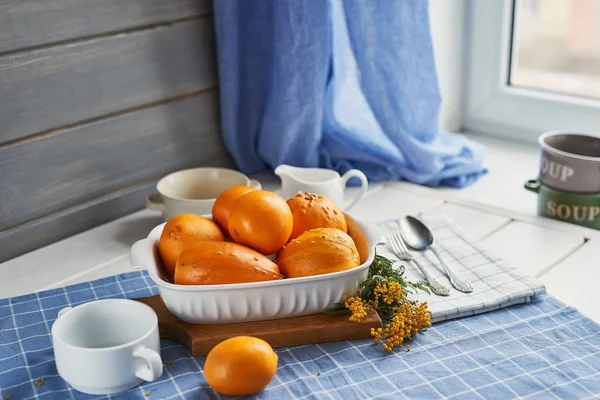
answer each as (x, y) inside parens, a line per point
(309, 234)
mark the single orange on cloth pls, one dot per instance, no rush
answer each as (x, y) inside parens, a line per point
(261, 220)
(315, 211)
(240, 366)
(212, 263)
(183, 232)
(222, 207)
(318, 251)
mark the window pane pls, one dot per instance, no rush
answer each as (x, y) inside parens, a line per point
(556, 46)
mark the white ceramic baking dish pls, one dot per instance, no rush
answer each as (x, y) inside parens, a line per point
(254, 301)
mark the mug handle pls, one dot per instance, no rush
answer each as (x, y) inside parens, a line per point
(364, 182)
(255, 184)
(154, 202)
(533, 185)
(154, 366)
(64, 311)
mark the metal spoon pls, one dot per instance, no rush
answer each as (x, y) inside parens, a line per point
(419, 237)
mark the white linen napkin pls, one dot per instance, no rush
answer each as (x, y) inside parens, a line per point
(495, 283)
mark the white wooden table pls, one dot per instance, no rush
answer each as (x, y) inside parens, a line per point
(496, 211)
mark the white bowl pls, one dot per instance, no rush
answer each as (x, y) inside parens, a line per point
(255, 301)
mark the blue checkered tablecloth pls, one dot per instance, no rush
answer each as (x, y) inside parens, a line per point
(540, 350)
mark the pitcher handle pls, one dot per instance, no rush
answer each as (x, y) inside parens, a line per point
(364, 183)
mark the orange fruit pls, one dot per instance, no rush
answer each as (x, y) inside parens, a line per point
(240, 366)
(261, 220)
(181, 233)
(312, 211)
(213, 263)
(222, 207)
(318, 251)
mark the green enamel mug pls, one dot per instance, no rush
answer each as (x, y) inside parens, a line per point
(575, 208)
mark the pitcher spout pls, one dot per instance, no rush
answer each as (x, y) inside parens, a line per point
(283, 170)
(289, 174)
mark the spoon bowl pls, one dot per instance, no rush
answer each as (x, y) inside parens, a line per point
(419, 237)
(415, 233)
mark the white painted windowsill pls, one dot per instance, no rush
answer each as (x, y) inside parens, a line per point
(495, 211)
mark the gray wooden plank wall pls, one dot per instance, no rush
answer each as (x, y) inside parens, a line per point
(98, 100)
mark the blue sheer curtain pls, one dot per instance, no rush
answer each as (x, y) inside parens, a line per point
(339, 84)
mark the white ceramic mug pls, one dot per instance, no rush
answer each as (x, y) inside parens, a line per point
(194, 191)
(323, 181)
(107, 346)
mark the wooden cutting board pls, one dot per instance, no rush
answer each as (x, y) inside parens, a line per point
(310, 329)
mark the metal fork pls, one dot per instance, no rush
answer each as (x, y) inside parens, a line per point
(398, 247)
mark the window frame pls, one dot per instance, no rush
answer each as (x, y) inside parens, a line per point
(494, 107)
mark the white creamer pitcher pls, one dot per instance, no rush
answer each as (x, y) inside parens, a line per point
(325, 182)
